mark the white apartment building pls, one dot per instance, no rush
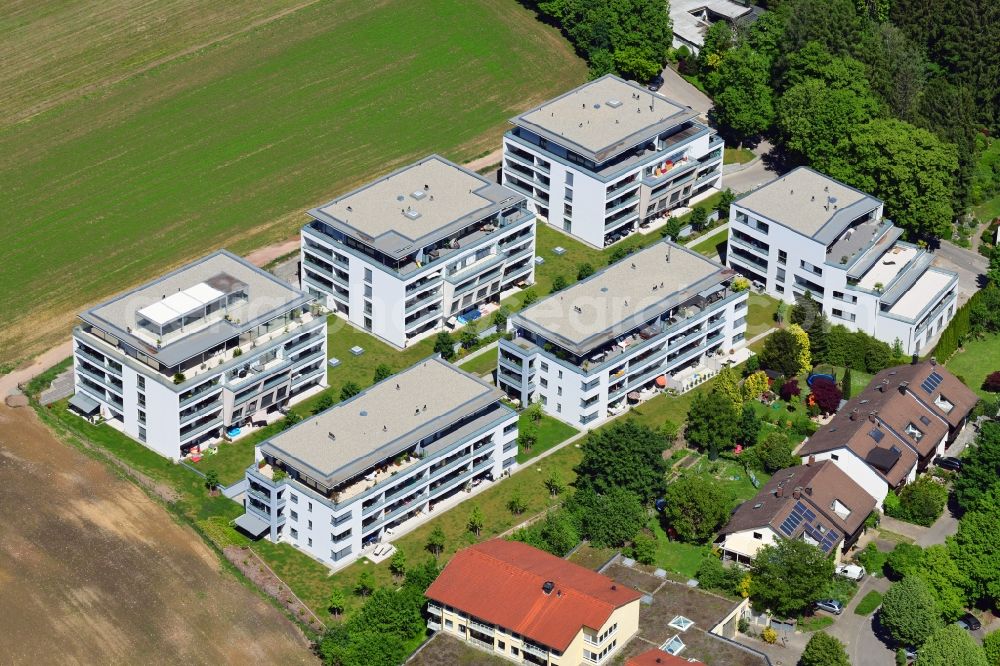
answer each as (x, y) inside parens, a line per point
(418, 249)
(805, 231)
(205, 348)
(349, 477)
(609, 156)
(650, 321)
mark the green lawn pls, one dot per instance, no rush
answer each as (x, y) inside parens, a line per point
(760, 313)
(713, 245)
(675, 556)
(988, 210)
(814, 623)
(868, 603)
(551, 431)
(482, 364)
(975, 360)
(227, 145)
(736, 155)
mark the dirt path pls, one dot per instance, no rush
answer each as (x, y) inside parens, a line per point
(93, 571)
(485, 160)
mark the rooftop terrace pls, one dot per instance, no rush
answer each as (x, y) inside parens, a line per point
(888, 267)
(811, 203)
(922, 293)
(415, 206)
(381, 422)
(604, 117)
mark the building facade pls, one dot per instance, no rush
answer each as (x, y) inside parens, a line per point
(805, 232)
(521, 603)
(354, 475)
(609, 156)
(417, 250)
(211, 346)
(663, 318)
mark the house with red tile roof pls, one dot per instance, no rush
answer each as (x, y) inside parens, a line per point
(884, 436)
(657, 657)
(527, 605)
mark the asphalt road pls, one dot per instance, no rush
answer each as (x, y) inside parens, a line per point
(970, 266)
(858, 632)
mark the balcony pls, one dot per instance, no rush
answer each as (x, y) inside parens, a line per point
(186, 417)
(614, 206)
(448, 485)
(433, 297)
(427, 316)
(369, 481)
(482, 627)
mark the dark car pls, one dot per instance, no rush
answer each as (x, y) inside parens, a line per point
(948, 462)
(655, 83)
(970, 622)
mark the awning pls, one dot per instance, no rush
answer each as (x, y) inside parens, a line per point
(84, 404)
(252, 525)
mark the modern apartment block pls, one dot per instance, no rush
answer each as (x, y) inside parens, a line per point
(207, 347)
(418, 249)
(349, 477)
(805, 231)
(531, 607)
(648, 322)
(603, 159)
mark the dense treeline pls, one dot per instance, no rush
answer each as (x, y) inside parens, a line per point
(627, 37)
(886, 101)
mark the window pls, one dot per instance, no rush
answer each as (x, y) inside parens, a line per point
(295, 533)
(943, 402)
(779, 288)
(914, 432)
(310, 508)
(834, 456)
(368, 323)
(758, 536)
(569, 194)
(544, 366)
(544, 382)
(809, 267)
(294, 515)
(569, 177)
(560, 374)
(294, 498)
(559, 390)
(780, 275)
(449, 624)
(140, 383)
(142, 434)
(368, 291)
(542, 399)
(368, 275)
(501, 646)
(142, 417)
(461, 628)
(142, 399)
(310, 542)
(559, 407)
(310, 524)
(782, 257)
(738, 337)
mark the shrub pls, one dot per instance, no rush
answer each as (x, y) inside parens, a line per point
(754, 385)
(712, 575)
(827, 395)
(905, 560)
(769, 635)
(584, 271)
(872, 559)
(920, 502)
(740, 284)
(530, 296)
(992, 382)
(790, 389)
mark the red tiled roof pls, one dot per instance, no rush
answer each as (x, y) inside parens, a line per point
(500, 582)
(657, 657)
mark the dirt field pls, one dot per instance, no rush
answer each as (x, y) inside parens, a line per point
(92, 571)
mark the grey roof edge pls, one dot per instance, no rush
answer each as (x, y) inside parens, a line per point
(681, 116)
(865, 260)
(720, 274)
(736, 202)
(491, 393)
(89, 316)
(513, 198)
(902, 282)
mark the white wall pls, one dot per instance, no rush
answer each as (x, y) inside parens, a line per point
(858, 470)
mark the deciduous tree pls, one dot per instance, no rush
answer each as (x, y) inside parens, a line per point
(712, 423)
(824, 650)
(789, 576)
(909, 611)
(628, 456)
(696, 507)
(952, 646)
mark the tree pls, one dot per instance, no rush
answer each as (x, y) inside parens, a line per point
(906, 559)
(554, 484)
(952, 646)
(781, 313)
(992, 382)
(833, 24)
(975, 546)
(699, 218)
(337, 602)
(909, 612)
(827, 394)
(324, 403)
(775, 452)
(628, 456)
(365, 584)
(530, 296)
(750, 425)
(946, 580)
(397, 563)
(712, 423)
(755, 384)
(291, 418)
(469, 337)
(824, 650)
(845, 385)
(444, 345)
(584, 271)
(643, 548)
(804, 356)
(718, 39)
(516, 505)
(558, 284)
(696, 507)
(435, 541)
(727, 382)
(611, 519)
(348, 391)
(805, 310)
(922, 501)
(781, 352)
(211, 480)
(527, 435)
(993, 271)
(789, 576)
(382, 371)
(790, 389)
(744, 104)
(726, 198)
(980, 466)
(500, 318)
(475, 524)
(907, 167)
(558, 533)
(991, 646)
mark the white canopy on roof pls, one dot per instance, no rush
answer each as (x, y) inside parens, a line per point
(159, 313)
(182, 303)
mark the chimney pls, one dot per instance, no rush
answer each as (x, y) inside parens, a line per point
(780, 492)
(797, 493)
(614, 587)
(871, 416)
(548, 586)
(812, 461)
(903, 386)
(809, 490)
(854, 414)
(933, 360)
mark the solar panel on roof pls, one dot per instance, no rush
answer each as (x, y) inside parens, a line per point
(932, 382)
(876, 434)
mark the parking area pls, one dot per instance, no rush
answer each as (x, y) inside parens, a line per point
(970, 266)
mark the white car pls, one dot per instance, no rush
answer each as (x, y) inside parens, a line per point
(852, 571)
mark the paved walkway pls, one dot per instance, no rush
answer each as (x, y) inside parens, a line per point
(858, 632)
(675, 88)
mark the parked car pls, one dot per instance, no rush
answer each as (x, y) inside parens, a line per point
(948, 462)
(852, 571)
(911, 652)
(655, 83)
(969, 622)
(830, 606)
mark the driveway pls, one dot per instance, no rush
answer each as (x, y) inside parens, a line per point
(859, 632)
(970, 266)
(675, 88)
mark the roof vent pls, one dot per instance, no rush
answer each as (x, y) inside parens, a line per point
(333, 438)
(597, 106)
(412, 214)
(364, 413)
(418, 194)
(758, 505)
(614, 103)
(548, 586)
(400, 197)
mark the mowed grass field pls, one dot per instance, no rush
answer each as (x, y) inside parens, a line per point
(153, 149)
